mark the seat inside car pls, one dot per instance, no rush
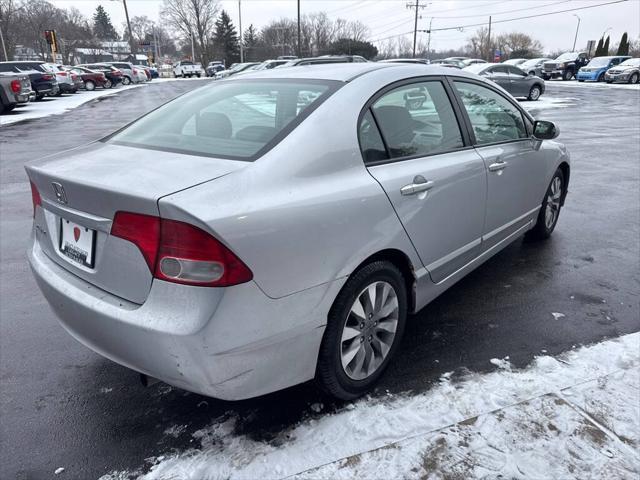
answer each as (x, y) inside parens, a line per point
(213, 124)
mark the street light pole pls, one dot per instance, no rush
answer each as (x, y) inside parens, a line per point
(132, 42)
(241, 38)
(576, 37)
(4, 47)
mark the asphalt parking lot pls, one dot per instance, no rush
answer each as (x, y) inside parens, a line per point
(63, 405)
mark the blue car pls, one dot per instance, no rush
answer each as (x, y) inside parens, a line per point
(594, 71)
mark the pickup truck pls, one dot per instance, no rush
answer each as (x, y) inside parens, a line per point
(566, 66)
(186, 69)
(15, 89)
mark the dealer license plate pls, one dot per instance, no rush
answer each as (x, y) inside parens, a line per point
(77, 242)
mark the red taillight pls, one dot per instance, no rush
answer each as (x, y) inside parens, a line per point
(62, 74)
(15, 86)
(179, 252)
(35, 198)
(46, 76)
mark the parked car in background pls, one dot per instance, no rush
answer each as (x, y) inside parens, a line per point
(186, 68)
(141, 74)
(113, 75)
(90, 79)
(15, 89)
(628, 72)
(213, 68)
(65, 82)
(324, 59)
(595, 70)
(535, 66)
(443, 62)
(422, 61)
(566, 66)
(269, 64)
(515, 81)
(515, 61)
(42, 82)
(236, 68)
(472, 61)
(128, 76)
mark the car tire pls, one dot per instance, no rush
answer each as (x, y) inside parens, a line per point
(126, 81)
(550, 209)
(601, 77)
(89, 86)
(374, 345)
(534, 93)
(634, 78)
(107, 84)
(580, 80)
(567, 75)
(198, 75)
(39, 96)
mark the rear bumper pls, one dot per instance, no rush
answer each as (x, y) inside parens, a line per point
(229, 343)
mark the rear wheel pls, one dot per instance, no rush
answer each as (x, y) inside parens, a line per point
(550, 209)
(39, 96)
(89, 85)
(126, 81)
(364, 328)
(634, 78)
(107, 84)
(534, 93)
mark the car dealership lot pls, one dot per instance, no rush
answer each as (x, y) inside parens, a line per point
(64, 406)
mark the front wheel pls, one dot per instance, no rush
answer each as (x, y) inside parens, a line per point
(634, 78)
(550, 208)
(89, 86)
(107, 84)
(567, 75)
(364, 328)
(126, 81)
(601, 77)
(534, 93)
(39, 96)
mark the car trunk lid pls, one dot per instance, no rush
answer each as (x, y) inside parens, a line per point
(81, 191)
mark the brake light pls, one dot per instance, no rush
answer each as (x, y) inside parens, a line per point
(63, 74)
(15, 86)
(46, 76)
(179, 252)
(35, 198)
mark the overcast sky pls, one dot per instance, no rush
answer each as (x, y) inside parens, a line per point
(391, 17)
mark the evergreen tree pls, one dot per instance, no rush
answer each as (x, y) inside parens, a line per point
(598, 52)
(623, 48)
(102, 26)
(251, 43)
(605, 48)
(226, 39)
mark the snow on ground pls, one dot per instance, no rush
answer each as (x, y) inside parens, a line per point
(546, 102)
(57, 105)
(575, 83)
(574, 416)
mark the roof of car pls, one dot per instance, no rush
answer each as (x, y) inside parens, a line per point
(345, 72)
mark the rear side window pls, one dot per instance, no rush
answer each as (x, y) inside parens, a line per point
(236, 119)
(417, 119)
(371, 143)
(494, 119)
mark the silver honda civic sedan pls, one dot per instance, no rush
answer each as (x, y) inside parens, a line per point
(262, 232)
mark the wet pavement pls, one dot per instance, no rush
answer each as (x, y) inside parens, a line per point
(64, 406)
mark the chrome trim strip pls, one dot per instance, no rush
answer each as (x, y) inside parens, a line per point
(495, 232)
(91, 221)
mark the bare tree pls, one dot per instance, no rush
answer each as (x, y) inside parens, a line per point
(193, 18)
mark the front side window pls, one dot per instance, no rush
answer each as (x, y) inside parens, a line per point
(233, 120)
(417, 119)
(494, 119)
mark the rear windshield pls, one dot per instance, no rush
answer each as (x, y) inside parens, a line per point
(236, 119)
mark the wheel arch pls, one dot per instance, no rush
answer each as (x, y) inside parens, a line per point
(403, 263)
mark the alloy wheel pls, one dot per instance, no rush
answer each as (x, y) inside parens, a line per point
(552, 208)
(369, 330)
(534, 94)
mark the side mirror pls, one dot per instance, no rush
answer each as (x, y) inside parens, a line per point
(544, 130)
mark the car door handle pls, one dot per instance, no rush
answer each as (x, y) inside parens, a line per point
(419, 185)
(497, 166)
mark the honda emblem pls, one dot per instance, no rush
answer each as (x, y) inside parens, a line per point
(58, 189)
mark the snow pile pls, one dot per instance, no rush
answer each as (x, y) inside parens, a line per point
(454, 408)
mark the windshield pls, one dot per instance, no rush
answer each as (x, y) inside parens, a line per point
(631, 62)
(600, 62)
(567, 56)
(236, 119)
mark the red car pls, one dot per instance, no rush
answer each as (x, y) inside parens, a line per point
(90, 78)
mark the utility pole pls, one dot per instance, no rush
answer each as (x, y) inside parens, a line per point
(417, 6)
(193, 49)
(241, 37)
(576, 37)
(429, 40)
(4, 47)
(132, 42)
(299, 39)
(490, 59)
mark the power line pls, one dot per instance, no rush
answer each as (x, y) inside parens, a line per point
(526, 17)
(506, 11)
